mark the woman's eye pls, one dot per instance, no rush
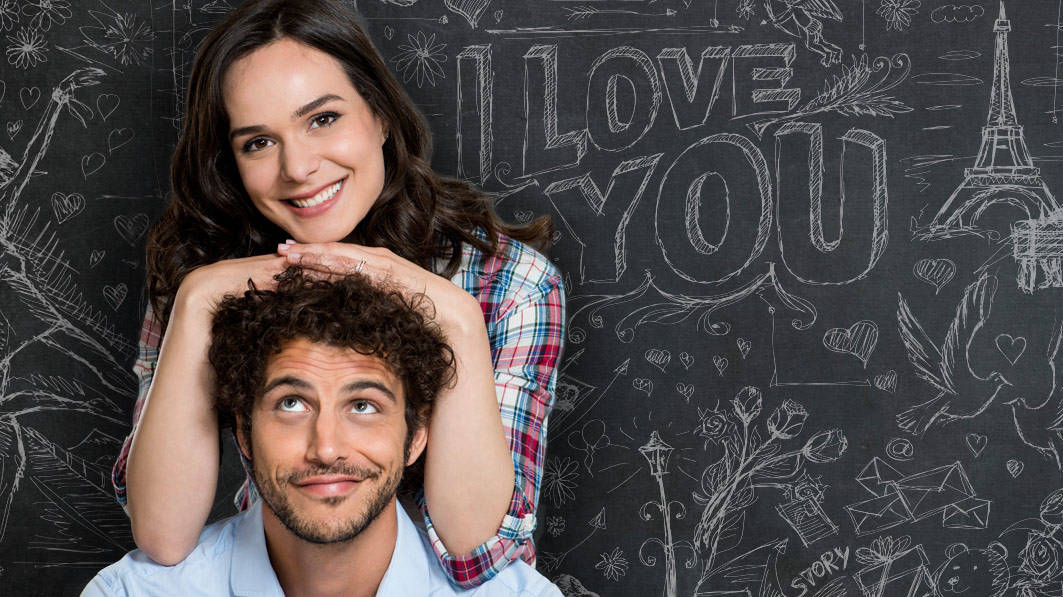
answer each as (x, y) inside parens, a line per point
(291, 404)
(363, 407)
(325, 119)
(254, 145)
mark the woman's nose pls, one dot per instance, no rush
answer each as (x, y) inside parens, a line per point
(298, 160)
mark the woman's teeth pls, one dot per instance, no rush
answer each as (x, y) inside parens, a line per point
(320, 198)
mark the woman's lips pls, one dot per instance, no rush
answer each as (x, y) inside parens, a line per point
(309, 212)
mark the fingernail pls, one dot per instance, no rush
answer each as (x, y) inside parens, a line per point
(282, 248)
(294, 256)
(289, 242)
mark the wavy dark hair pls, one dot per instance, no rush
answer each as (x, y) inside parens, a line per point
(346, 312)
(419, 215)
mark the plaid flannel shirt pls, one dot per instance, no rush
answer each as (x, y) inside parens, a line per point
(522, 297)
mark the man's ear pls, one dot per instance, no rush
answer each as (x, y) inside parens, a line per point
(241, 439)
(418, 442)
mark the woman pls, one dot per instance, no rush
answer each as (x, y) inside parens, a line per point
(296, 130)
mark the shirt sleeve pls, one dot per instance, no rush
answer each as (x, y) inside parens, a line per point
(526, 342)
(144, 368)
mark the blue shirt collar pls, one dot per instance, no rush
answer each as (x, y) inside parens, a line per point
(252, 574)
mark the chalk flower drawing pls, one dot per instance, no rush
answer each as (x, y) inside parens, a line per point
(555, 525)
(613, 565)
(120, 35)
(750, 460)
(45, 13)
(8, 14)
(559, 479)
(898, 13)
(27, 49)
(745, 9)
(421, 58)
(1040, 569)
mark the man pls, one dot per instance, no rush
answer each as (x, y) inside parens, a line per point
(328, 385)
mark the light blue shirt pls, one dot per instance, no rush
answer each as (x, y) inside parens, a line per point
(231, 559)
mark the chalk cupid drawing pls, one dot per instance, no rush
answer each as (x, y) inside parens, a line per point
(962, 393)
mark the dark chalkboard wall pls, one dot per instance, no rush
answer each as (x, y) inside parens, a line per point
(812, 251)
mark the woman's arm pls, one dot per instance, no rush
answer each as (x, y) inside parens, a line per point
(172, 465)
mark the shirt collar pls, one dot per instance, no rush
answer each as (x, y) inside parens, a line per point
(251, 572)
(408, 572)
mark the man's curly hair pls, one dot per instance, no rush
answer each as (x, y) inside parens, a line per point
(346, 312)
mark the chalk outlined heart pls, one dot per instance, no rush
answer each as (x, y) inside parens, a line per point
(859, 340)
(13, 128)
(658, 358)
(1014, 468)
(29, 96)
(118, 137)
(131, 227)
(96, 256)
(685, 389)
(720, 362)
(687, 359)
(643, 385)
(107, 103)
(472, 10)
(887, 382)
(976, 443)
(67, 206)
(115, 295)
(1012, 347)
(936, 272)
(91, 163)
(743, 347)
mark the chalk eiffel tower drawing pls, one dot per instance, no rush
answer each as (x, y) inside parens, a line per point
(1003, 173)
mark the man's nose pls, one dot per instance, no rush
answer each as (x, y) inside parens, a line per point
(298, 160)
(326, 442)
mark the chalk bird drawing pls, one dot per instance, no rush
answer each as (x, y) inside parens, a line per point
(962, 393)
(1041, 426)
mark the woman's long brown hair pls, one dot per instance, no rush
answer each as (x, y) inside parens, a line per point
(419, 215)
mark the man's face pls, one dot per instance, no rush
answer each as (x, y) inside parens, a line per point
(327, 440)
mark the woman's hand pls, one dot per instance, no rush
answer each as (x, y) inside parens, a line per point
(462, 311)
(206, 285)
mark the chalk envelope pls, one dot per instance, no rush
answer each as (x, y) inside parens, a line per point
(878, 514)
(971, 513)
(878, 477)
(903, 575)
(931, 492)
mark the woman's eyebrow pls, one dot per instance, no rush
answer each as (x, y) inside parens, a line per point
(299, 113)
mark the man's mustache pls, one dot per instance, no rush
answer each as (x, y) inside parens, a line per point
(345, 470)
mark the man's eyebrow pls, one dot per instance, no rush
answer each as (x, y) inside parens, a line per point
(313, 105)
(354, 386)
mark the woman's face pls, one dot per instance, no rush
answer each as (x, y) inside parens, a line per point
(308, 147)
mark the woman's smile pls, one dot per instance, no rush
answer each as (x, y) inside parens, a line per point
(318, 203)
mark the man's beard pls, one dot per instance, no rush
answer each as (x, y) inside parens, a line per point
(315, 532)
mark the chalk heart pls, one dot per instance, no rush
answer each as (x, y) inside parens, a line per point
(96, 256)
(67, 206)
(976, 443)
(498, 15)
(936, 272)
(13, 128)
(643, 385)
(887, 382)
(744, 346)
(859, 340)
(472, 10)
(1014, 468)
(117, 138)
(1011, 347)
(91, 163)
(523, 215)
(131, 227)
(658, 358)
(687, 390)
(115, 295)
(720, 362)
(686, 359)
(389, 32)
(107, 103)
(29, 96)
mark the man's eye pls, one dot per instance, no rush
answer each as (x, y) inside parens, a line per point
(363, 407)
(291, 404)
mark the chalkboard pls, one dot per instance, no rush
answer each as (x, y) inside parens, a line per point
(812, 253)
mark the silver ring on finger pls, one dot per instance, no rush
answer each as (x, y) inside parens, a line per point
(358, 269)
